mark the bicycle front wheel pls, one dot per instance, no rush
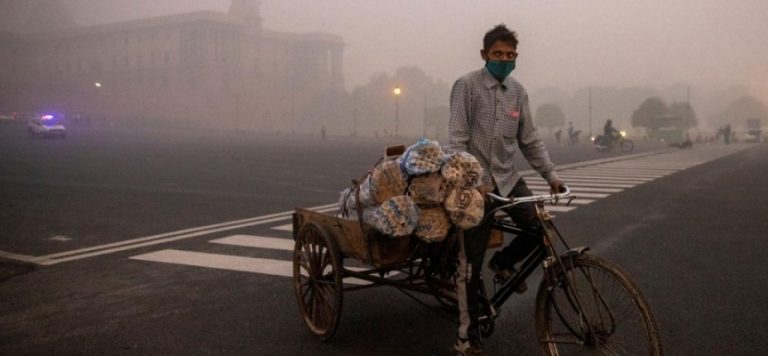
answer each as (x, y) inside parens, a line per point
(593, 308)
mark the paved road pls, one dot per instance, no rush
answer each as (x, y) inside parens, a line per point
(685, 224)
(93, 187)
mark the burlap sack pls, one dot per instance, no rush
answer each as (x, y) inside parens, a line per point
(433, 224)
(462, 169)
(396, 217)
(427, 189)
(465, 207)
(387, 181)
(423, 157)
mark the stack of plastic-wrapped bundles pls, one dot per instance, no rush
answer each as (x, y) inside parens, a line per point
(423, 192)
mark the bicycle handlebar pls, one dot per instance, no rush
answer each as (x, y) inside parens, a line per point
(530, 199)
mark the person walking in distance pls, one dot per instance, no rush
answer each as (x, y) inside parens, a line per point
(573, 134)
(490, 118)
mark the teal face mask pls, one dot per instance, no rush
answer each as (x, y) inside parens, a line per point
(500, 69)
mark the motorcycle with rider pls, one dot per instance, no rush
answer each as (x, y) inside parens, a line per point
(611, 139)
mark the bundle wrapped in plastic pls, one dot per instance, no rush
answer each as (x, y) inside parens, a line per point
(387, 180)
(462, 169)
(433, 224)
(427, 189)
(369, 214)
(348, 198)
(465, 207)
(423, 157)
(423, 192)
(396, 217)
(347, 203)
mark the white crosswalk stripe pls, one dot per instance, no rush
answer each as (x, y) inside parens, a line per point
(589, 182)
(273, 267)
(572, 181)
(565, 176)
(272, 243)
(219, 261)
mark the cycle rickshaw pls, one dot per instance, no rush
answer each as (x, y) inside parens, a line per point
(584, 303)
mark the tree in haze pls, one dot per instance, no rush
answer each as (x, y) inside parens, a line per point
(652, 114)
(737, 112)
(603, 102)
(685, 113)
(549, 116)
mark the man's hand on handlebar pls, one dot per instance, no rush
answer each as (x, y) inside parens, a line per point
(556, 186)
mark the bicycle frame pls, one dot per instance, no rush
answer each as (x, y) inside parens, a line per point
(544, 253)
(528, 266)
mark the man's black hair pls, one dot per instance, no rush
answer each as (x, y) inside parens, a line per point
(499, 33)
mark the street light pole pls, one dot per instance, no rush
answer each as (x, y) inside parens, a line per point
(397, 92)
(590, 113)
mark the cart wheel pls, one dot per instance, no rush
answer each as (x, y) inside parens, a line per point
(317, 280)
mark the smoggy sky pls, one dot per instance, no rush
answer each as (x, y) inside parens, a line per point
(563, 43)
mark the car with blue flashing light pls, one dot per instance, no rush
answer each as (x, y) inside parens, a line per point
(48, 125)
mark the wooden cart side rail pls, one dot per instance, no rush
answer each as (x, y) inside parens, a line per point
(357, 240)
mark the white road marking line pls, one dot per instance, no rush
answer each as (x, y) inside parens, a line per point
(609, 174)
(17, 256)
(576, 189)
(289, 227)
(650, 163)
(257, 241)
(286, 227)
(60, 238)
(648, 170)
(577, 201)
(589, 180)
(167, 237)
(271, 267)
(586, 176)
(212, 260)
(48, 262)
(614, 174)
(572, 184)
(560, 208)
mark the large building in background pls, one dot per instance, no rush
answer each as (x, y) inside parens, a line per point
(201, 69)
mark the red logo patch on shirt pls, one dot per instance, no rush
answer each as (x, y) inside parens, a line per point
(514, 115)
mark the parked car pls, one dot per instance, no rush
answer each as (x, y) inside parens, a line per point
(46, 126)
